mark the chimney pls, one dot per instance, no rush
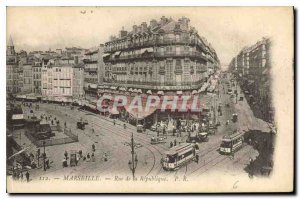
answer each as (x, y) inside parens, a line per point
(185, 22)
(163, 20)
(153, 23)
(144, 26)
(139, 28)
(134, 28)
(123, 33)
(76, 60)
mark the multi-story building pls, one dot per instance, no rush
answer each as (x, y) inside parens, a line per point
(252, 68)
(11, 68)
(62, 80)
(26, 65)
(78, 81)
(93, 65)
(166, 55)
(47, 77)
(37, 77)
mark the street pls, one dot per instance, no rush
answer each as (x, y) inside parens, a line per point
(113, 140)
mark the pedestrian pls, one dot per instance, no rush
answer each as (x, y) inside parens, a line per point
(21, 176)
(171, 144)
(114, 121)
(47, 164)
(66, 155)
(14, 175)
(197, 158)
(93, 147)
(174, 132)
(65, 124)
(232, 155)
(175, 142)
(164, 130)
(124, 126)
(93, 157)
(38, 152)
(27, 176)
(105, 157)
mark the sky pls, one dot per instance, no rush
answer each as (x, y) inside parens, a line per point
(227, 29)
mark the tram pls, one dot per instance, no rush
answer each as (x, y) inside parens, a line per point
(178, 156)
(231, 143)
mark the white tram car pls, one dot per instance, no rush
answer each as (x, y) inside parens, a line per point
(178, 156)
(231, 143)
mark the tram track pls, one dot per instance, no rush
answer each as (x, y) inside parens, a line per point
(138, 138)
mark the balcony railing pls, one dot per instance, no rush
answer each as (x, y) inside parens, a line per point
(166, 54)
(90, 61)
(156, 85)
(91, 70)
(154, 42)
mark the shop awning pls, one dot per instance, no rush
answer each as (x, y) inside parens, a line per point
(117, 53)
(194, 92)
(105, 55)
(130, 89)
(122, 89)
(139, 91)
(179, 92)
(113, 87)
(146, 50)
(203, 88)
(93, 85)
(114, 111)
(21, 96)
(149, 92)
(160, 93)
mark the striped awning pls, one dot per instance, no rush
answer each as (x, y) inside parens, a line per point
(117, 53)
(194, 92)
(160, 93)
(179, 92)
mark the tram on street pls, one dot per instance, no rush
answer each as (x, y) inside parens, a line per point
(178, 156)
(231, 143)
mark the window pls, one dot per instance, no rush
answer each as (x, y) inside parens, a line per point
(177, 38)
(177, 50)
(162, 50)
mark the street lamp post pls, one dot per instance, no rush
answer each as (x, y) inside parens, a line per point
(236, 94)
(133, 162)
(44, 155)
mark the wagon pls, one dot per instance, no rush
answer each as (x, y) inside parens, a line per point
(158, 140)
(81, 125)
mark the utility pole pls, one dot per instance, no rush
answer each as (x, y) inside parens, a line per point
(44, 155)
(236, 94)
(133, 162)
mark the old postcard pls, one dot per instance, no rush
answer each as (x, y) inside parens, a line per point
(150, 99)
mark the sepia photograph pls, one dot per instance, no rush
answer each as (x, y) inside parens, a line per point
(149, 99)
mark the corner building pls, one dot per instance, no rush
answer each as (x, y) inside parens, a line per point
(166, 55)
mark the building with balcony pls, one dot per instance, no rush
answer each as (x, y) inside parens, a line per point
(93, 71)
(37, 77)
(165, 55)
(11, 68)
(252, 68)
(62, 80)
(78, 81)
